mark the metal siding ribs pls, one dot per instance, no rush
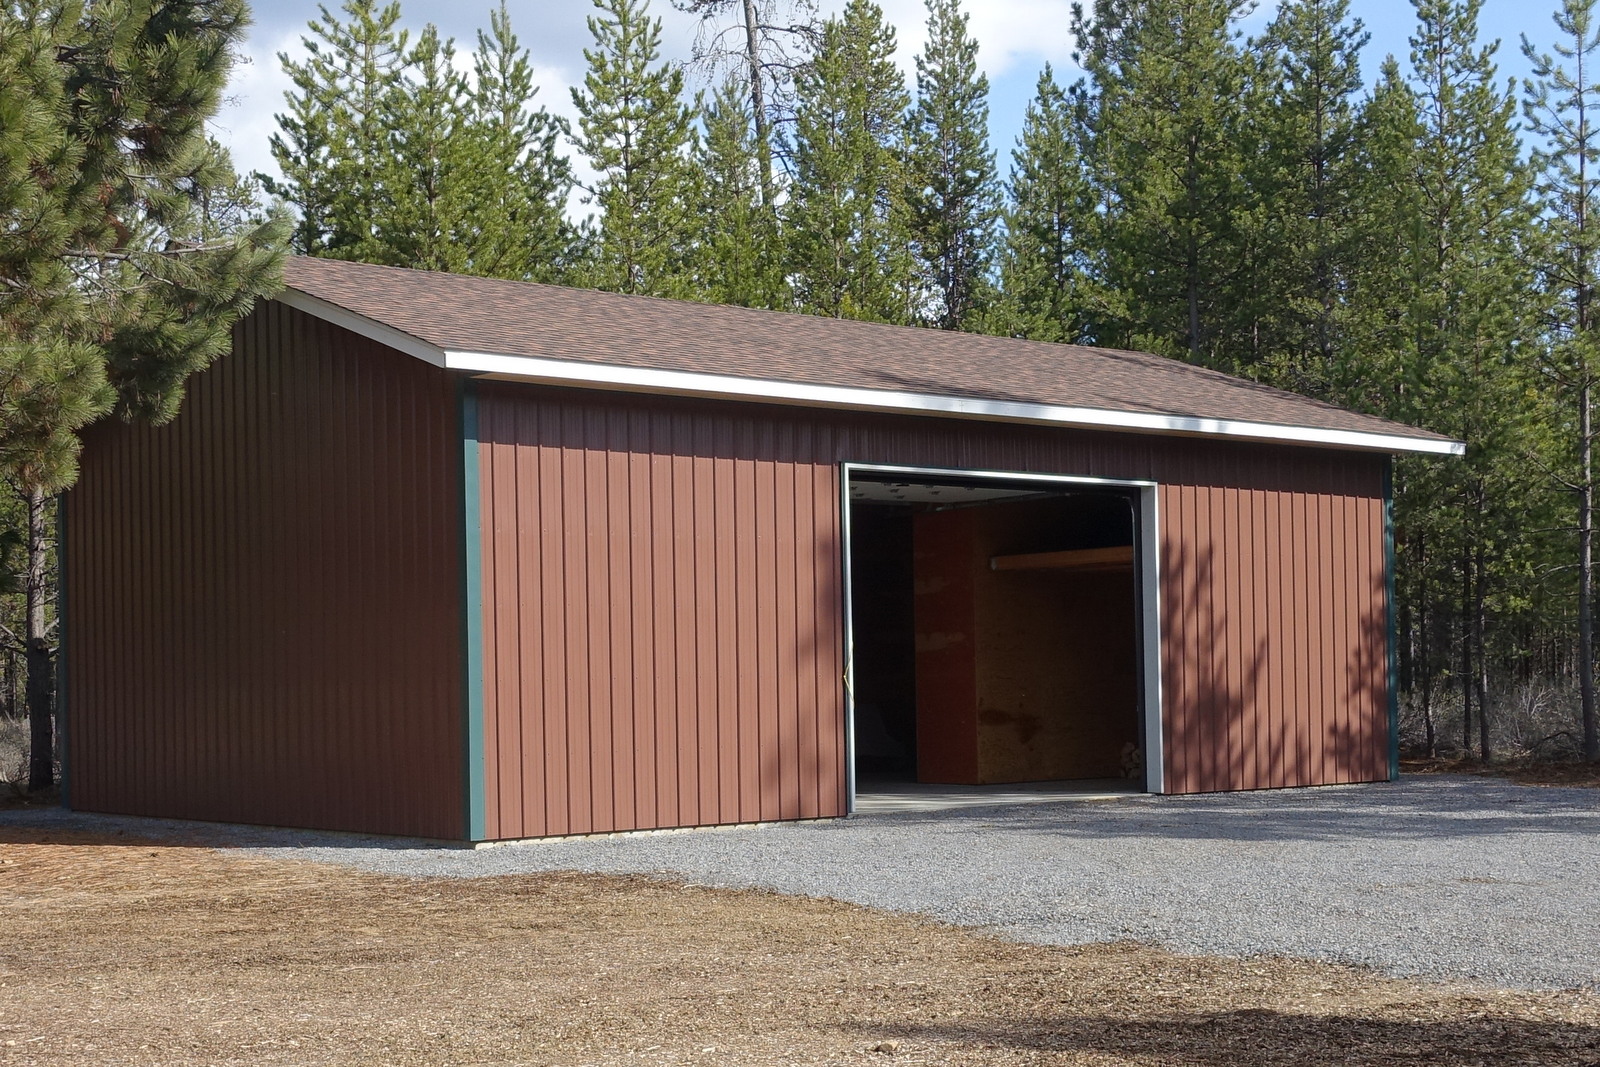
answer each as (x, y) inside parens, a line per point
(706, 620)
(264, 615)
(265, 625)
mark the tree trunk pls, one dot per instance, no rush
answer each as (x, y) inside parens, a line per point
(758, 99)
(1591, 739)
(1466, 656)
(38, 655)
(1424, 654)
(1481, 675)
(1192, 251)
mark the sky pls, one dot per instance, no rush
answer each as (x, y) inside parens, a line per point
(1015, 39)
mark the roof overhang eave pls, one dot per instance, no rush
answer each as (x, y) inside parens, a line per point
(410, 344)
(578, 374)
(727, 387)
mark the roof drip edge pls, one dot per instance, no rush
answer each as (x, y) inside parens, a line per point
(717, 386)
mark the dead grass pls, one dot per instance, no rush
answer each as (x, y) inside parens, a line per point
(131, 952)
(1521, 771)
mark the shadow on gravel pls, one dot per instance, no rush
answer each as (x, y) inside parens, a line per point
(61, 827)
(1439, 809)
(1261, 1036)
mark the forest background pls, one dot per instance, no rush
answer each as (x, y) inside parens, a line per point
(1202, 179)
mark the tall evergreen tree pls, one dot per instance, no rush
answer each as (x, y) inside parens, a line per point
(739, 251)
(1167, 161)
(1305, 177)
(954, 193)
(848, 239)
(637, 134)
(1562, 106)
(1377, 372)
(114, 283)
(422, 222)
(1046, 257)
(303, 148)
(519, 180)
(1473, 311)
(335, 141)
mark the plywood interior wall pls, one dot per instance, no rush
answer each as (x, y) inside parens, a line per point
(1023, 675)
(1058, 694)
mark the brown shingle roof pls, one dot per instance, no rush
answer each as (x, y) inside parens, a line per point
(456, 313)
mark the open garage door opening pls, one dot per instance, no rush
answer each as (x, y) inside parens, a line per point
(997, 638)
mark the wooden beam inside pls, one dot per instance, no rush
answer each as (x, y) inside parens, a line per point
(1090, 559)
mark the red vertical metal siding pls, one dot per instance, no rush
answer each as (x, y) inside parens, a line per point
(679, 562)
(263, 612)
(1273, 660)
(691, 589)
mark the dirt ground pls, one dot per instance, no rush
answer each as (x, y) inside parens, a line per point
(1522, 771)
(124, 951)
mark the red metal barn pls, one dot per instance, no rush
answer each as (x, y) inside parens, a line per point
(482, 560)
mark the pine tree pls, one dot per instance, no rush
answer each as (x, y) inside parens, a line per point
(848, 242)
(422, 223)
(1305, 176)
(954, 193)
(114, 282)
(637, 135)
(1386, 223)
(336, 139)
(303, 148)
(1473, 311)
(1167, 160)
(519, 180)
(739, 249)
(1045, 260)
(1562, 105)
(1377, 375)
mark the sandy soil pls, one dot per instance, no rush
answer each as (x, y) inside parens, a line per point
(135, 952)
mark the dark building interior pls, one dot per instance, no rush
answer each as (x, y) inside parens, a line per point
(995, 632)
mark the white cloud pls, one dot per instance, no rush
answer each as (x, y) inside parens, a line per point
(1024, 33)
(255, 94)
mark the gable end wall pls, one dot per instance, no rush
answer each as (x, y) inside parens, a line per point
(263, 606)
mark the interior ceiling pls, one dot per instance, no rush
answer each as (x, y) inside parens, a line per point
(908, 492)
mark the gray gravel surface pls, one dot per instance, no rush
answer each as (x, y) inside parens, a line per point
(1440, 877)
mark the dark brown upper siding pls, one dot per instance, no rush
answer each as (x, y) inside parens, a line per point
(262, 598)
(662, 631)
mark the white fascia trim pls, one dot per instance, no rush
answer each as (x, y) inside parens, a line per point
(1155, 744)
(360, 324)
(687, 383)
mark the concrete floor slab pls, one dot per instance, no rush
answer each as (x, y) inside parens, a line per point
(886, 797)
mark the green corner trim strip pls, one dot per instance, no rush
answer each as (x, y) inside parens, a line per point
(1392, 626)
(472, 620)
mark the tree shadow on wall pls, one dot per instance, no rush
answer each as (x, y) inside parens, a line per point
(1275, 671)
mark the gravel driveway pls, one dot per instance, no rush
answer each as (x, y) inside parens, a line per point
(1439, 876)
